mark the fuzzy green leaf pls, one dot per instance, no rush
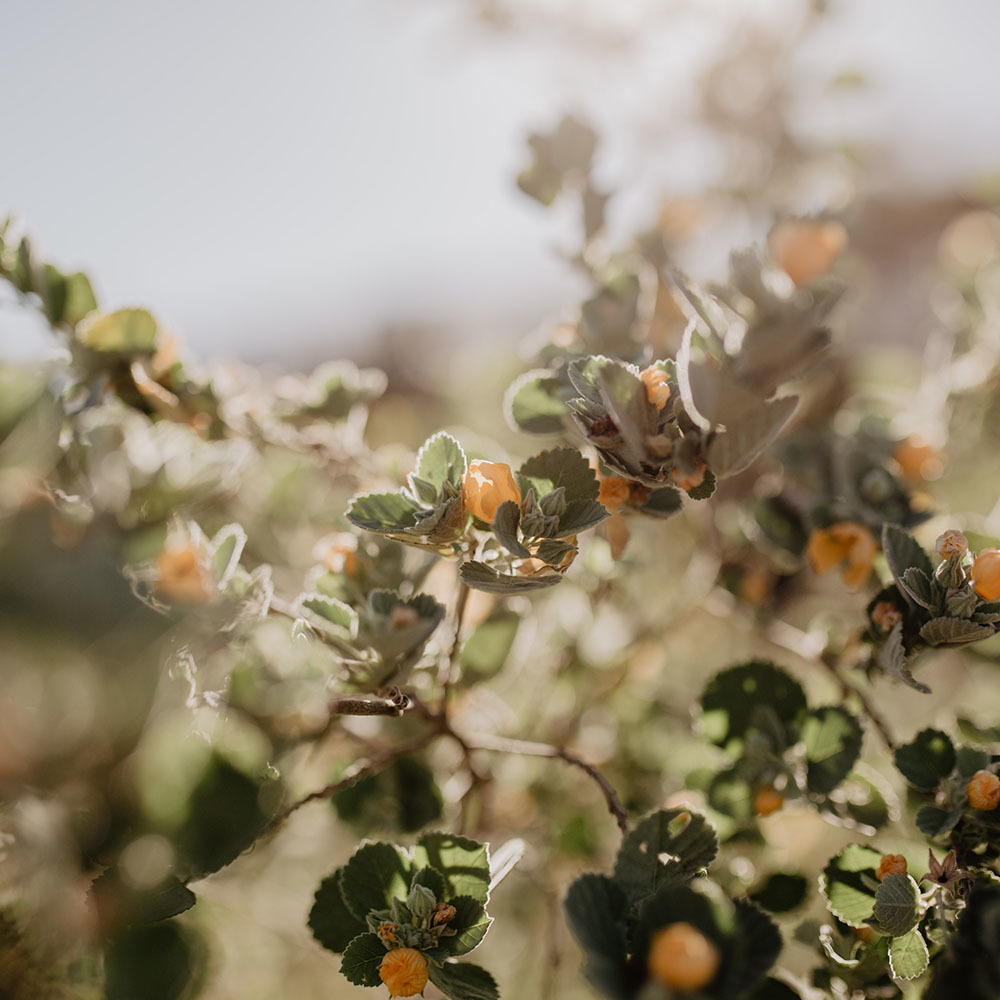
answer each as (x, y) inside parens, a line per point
(933, 821)
(470, 921)
(908, 955)
(954, 632)
(535, 403)
(505, 524)
(464, 863)
(441, 460)
(668, 848)
(896, 904)
(832, 738)
(375, 875)
(597, 912)
(662, 502)
(486, 650)
(385, 512)
(849, 884)
(362, 959)
(564, 467)
(125, 331)
(479, 576)
(928, 760)
(463, 981)
(330, 921)
(903, 551)
(731, 451)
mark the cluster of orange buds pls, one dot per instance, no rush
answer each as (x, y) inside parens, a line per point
(886, 615)
(983, 791)
(805, 249)
(986, 574)
(682, 958)
(767, 800)
(404, 971)
(657, 385)
(181, 577)
(846, 545)
(486, 486)
(891, 864)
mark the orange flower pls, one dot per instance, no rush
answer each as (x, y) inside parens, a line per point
(404, 971)
(805, 248)
(848, 545)
(615, 491)
(657, 386)
(983, 791)
(682, 958)
(487, 485)
(891, 864)
(986, 574)
(339, 553)
(767, 800)
(951, 543)
(181, 576)
(886, 615)
(916, 458)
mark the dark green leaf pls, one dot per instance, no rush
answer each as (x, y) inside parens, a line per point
(916, 585)
(486, 650)
(385, 512)
(375, 876)
(479, 576)
(667, 848)
(471, 922)
(954, 632)
(933, 821)
(928, 760)
(157, 962)
(832, 738)
(597, 913)
(505, 524)
(362, 960)
(732, 450)
(579, 516)
(896, 904)
(903, 551)
(464, 863)
(564, 467)
(781, 892)
(330, 920)
(405, 796)
(662, 502)
(464, 981)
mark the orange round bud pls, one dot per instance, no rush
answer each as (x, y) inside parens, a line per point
(487, 485)
(682, 958)
(805, 248)
(657, 385)
(986, 574)
(886, 615)
(917, 459)
(891, 864)
(181, 576)
(767, 800)
(404, 971)
(983, 791)
(847, 544)
(951, 543)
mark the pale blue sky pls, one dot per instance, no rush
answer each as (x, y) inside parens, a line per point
(304, 172)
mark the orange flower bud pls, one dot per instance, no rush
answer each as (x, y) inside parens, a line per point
(847, 544)
(767, 800)
(487, 485)
(615, 491)
(891, 864)
(682, 958)
(182, 578)
(403, 616)
(986, 574)
(404, 971)
(886, 615)
(688, 481)
(983, 791)
(806, 249)
(442, 914)
(657, 386)
(951, 543)
(916, 458)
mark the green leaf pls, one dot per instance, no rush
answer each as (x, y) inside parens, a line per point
(916, 585)
(896, 904)
(375, 875)
(705, 489)
(908, 955)
(731, 451)
(385, 512)
(597, 913)
(125, 331)
(486, 650)
(362, 960)
(554, 550)
(607, 318)
(564, 467)
(774, 989)
(329, 609)
(119, 904)
(893, 659)
(579, 516)
(758, 944)
(156, 962)
(662, 502)
(479, 576)
(928, 760)
(405, 796)
(471, 921)
(668, 848)
(849, 884)
(832, 738)
(535, 403)
(781, 892)
(463, 981)
(333, 925)
(505, 524)
(731, 699)
(464, 863)
(969, 759)
(79, 298)
(954, 632)
(441, 460)
(932, 821)
(731, 794)
(903, 551)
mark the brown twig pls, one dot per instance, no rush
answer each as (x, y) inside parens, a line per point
(447, 673)
(529, 749)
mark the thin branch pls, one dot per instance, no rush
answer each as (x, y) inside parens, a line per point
(528, 749)
(447, 673)
(362, 769)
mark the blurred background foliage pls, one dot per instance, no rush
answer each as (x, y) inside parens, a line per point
(153, 725)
